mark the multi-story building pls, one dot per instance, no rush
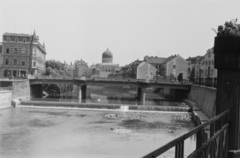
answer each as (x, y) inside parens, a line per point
(146, 70)
(205, 73)
(107, 66)
(21, 54)
(199, 69)
(80, 68)
(174, 65)
(191, 64)
(210, 72)
(155, 61)
(130, 70)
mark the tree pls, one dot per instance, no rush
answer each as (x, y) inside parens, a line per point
(180, 77)
(192, 75)
(171, 77)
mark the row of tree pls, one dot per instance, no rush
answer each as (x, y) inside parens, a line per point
(58, 65)
(56, 68)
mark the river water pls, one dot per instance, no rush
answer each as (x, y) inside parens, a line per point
(61, 133)
(110, 95)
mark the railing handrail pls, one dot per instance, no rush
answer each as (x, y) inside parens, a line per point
(185, 136)
(165, 81)
(217, 134)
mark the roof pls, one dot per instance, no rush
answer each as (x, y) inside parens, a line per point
(170, 58)
(194, 59)
(16, 34)
(107, 54)
(112, 64)
(118, 68)
(154, 60)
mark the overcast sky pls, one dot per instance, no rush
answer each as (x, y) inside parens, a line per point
(131, 29)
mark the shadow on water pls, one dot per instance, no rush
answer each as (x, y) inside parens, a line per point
(106, 95)
(40, 123)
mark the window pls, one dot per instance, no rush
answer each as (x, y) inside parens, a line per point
(15, 61)
(16, 39)
(15, 50)
(34, 63)
(24, 40)
(8, 39)
(6, 61)
(209, 55)
(24, 50)
(7, 50)
(34, 51)
(23, 63)
(174, 66)
(212, 62)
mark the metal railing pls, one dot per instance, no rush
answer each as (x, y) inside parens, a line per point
(6, 88)
(166, 81)
(211, 140)
(208, 82)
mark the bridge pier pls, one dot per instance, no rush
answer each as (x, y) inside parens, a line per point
(36, 91)
(141, 96)
(179, 94)
(82, 93)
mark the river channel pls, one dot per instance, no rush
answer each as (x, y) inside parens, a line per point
(47, 132)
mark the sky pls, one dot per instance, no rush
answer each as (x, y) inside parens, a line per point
(130, 29)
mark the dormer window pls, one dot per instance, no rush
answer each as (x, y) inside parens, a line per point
(16, 39)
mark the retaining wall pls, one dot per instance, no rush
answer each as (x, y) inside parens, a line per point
(20, 89)
(204, 98)
(103, 106)
(5, 99)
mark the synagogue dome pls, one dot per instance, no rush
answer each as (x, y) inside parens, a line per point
(107, 54)
(107, 57)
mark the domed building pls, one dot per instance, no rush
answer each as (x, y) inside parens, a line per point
(107, 57)
(107, 66)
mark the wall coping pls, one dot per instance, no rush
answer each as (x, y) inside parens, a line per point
(198, 116)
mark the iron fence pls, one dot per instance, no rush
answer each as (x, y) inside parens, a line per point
(166, 81)
(211, 140)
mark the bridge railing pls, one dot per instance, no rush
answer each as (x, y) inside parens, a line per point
(166, 81)
(211, 140)
(6, 88)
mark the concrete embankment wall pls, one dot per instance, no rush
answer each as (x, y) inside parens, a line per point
(102, 106)
(5, 99)
(20, 89)
(204, 98)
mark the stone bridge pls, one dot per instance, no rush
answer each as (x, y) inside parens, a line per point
(82, 83)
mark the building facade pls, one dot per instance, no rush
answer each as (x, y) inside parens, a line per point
(174, 65)
(146, 71)
(107, 66)
(205, 73)
(155, 61)
(21, 54)
(81, 68)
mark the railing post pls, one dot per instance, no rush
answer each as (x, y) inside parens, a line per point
(212, 147)
(179, 150)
